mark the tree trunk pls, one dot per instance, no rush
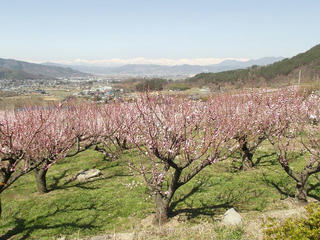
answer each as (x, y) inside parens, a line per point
(4, 178)
(162, 209)
(246, 161)
(123, 144)
(301, 193)
(40, 174)
(246, 157)
(5, 174)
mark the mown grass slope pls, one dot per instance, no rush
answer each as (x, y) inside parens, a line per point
(119, 200)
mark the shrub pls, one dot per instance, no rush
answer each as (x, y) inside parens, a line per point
(304, 228)
(154, 84)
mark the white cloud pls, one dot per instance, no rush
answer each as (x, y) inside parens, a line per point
(142, 60)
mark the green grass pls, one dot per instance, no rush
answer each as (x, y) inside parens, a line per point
(90, 208)
(224, 233)
(119, 200)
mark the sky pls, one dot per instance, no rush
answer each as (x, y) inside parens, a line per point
(103, 32)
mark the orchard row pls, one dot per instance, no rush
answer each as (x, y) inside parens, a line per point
(177, 137)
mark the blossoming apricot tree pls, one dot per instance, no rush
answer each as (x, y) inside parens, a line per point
(292, 128)
(178, 138)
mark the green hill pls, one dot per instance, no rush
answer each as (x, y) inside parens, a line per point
(279, 73)
(14, 69)
(15, 74)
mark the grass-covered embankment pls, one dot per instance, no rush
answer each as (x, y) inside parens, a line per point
(119, 200)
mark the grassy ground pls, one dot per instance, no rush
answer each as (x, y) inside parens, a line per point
(118, 201)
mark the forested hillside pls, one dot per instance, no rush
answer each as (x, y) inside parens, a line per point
(15, 74)
(282, 72)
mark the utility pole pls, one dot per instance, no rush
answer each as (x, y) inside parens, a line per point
(299, 81)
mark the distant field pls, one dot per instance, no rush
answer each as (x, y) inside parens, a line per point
(20, 101)
(10, 102)
(59, 93)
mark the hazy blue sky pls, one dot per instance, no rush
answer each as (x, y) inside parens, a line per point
(42, 30)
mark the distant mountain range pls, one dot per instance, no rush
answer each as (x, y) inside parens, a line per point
(165, 71)
(19, 70)
(282, 72)
(14, 69)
